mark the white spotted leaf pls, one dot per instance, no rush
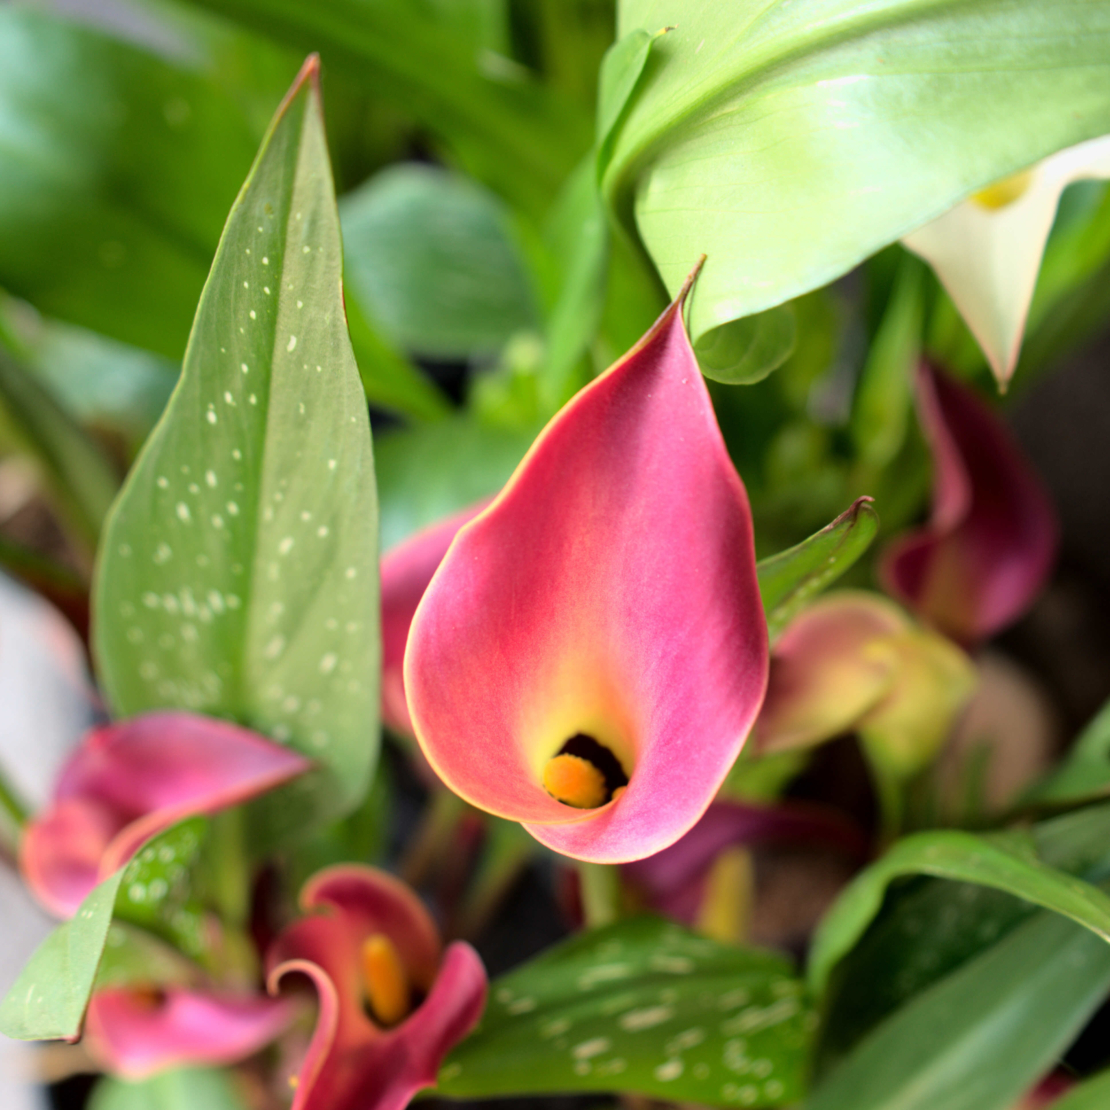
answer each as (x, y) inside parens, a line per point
(642, 1006)
(238, 574)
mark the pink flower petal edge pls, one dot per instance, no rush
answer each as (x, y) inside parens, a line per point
(991, 542)
(136, 1033)
(352, 1063)
(608, 591)
(406, 571)
(131, 780)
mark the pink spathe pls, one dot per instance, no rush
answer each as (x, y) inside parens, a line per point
(609, 591)
(991, 541)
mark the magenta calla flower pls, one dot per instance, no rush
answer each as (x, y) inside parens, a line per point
(135, 1032)
(991, 541)
(592, 651)
(372, 952)
(406, 571)
(130, 780)
(673, 881)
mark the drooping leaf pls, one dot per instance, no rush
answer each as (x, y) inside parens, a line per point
(80, 476)
(239, 571)
(430, 254)
(117, 171)
(48, 1000)
(1085, 773)
(180, 1089)
(642, 1006)
(790, 579)
(743, 352)
(982, 1036)
(791, 141)
(1006, 863)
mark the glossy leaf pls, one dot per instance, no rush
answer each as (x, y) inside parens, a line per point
(790, 142)
(743, 352)
(118, 170)
(181, 1089)
(984, 1035)
(48, 1000)
(79, 475)
(792, 578)
(239, 571)
(1006, 863)
(431, 256)
(1085, 773)
(641, 1006)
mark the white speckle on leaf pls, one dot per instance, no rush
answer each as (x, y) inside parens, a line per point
(328, 662)
(292, 343)
(669, 1070)
(232, 509)
(285, 546)
(211, 417)
(210, 478)
(593, 1047)
(183, 513)
(648, 1017)
(274, 648)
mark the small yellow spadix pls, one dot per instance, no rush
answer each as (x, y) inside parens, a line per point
(384, 980)
(1003, 192)
(574, 782)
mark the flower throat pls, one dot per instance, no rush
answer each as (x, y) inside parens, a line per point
(584, 774)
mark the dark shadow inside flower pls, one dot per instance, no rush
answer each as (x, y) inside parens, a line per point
(584, 773)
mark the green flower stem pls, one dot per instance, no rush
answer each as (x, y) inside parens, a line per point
(601, 893)
(229, 868)
(437, 827)
(11, 805)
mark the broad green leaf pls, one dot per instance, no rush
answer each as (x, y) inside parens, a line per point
(431, 255)
(428, 473)
(929, 927)
(884, 395)
(790, 579)
(982, 1036)
(505, 130)
(134, 957)
(641, 1006)
(48, 1000)
(117, 169)
(1006, 862)
(620, 73)
(1085, 773)
(743, 352)
(239, 570)
(790, 141)
(80, 476)
(1091, 1094)
(181, 1089)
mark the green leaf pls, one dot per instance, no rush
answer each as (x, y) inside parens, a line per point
(428, 473)
(982, 1036)
(239, 570)
(791, 141)
(641, 1006)
(1085, 773)
(790, 579)
(182, 1089)
(620, 73)
(880, 412)
(118, 171)
(1006, 862)
(48, 1000)
(743, 352)
(431, 255)
(80, 476)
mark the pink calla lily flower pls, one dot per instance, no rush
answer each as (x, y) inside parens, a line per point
(135, 1032)
(592, 651)
(991, 541)
(372, 951)
(406, 571)
(130, 780)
